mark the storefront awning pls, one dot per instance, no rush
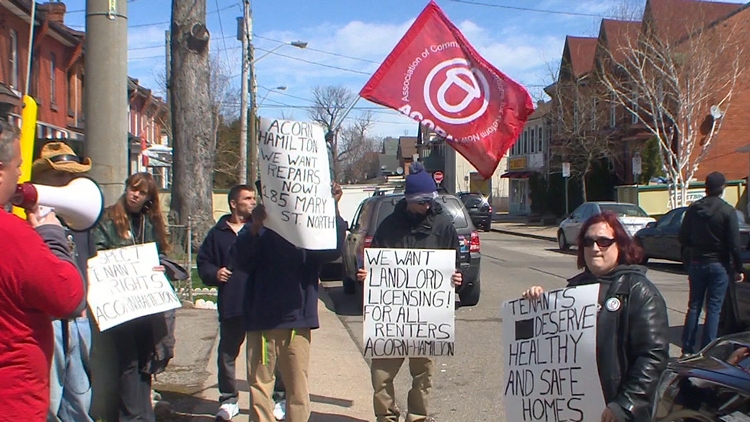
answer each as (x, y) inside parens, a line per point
(517, 175)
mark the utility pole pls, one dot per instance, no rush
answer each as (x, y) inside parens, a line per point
(106, 94)
(244, 35)
(105, 103)
(194, 143)
(253, 132)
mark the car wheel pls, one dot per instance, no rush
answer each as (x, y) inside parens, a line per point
(488, 226)
(562, 243)
(469, 296)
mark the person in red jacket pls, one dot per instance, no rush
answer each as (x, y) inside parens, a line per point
(38, 282)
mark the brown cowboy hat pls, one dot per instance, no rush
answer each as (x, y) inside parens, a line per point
(59, 156)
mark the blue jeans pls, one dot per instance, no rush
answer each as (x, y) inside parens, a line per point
(708, 282)
(70, 385)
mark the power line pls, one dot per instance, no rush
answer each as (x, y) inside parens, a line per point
(321, 51)
(223, 37)
(84, 10)
(529, 9)
(143, 25)
(316, 63)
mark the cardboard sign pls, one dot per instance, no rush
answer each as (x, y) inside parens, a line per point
(124, 286)
(550, 365)
(409, 303)
(296, 183)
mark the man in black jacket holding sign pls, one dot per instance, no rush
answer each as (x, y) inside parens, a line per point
(418, 222)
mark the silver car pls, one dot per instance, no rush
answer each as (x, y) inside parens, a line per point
(632, 217)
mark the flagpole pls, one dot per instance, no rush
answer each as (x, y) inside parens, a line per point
(343, 116)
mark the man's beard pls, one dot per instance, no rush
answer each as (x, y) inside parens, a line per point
(414, 218)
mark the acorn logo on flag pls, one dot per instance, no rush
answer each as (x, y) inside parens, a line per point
(435, 76)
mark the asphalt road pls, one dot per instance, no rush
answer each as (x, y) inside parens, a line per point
(468, 386)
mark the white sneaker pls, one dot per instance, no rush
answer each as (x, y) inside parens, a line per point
(227, 411)
(279, 411)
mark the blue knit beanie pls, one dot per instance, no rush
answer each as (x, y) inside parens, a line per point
(419, 184)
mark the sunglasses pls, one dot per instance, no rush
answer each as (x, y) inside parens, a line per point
(603, 242)
(66, 158)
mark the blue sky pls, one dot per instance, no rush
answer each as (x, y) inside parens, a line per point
(353, 36)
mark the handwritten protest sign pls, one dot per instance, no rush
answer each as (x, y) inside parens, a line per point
(123, 285)
(409, 303)
(296, 183)
(550, 357)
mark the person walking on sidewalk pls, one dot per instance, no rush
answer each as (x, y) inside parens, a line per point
(70, 376)
(281, 309)
(710, 231)
(418, 222)
(215, 269)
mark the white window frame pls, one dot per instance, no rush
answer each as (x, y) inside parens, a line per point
(634, 106)
(14, 82)
(594, 105)
(613, 111)
(52, 79)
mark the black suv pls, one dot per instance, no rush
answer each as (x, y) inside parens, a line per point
(372, 211)
(479, 209)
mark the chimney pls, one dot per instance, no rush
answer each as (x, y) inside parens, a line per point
(54, 11)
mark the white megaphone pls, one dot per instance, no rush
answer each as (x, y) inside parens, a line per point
(79, 204)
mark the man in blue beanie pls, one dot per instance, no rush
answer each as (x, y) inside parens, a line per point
(418, 222)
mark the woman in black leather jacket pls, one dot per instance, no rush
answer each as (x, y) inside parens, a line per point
(632, 327)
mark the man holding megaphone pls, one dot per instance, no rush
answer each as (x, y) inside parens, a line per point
(38, 282)
(70, 381)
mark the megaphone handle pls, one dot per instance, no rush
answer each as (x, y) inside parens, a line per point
(42, 211)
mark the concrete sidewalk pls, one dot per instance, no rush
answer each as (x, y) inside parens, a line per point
(517, 228)
(339, 377)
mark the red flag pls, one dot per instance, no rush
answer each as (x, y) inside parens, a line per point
(435, 76)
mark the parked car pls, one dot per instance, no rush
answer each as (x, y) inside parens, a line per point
(479, 209)
(374, 210)
(713, 385)
(631, 216)
(659, 238)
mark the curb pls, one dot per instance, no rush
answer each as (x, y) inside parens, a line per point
(529, 235)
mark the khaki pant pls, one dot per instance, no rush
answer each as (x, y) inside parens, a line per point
(292, 353)
(384, 401)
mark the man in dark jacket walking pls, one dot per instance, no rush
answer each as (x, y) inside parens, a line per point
(215, 269)
(418, 222)
(281, 309)
(710, 232)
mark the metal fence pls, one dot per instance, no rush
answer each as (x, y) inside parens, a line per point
(182, 253)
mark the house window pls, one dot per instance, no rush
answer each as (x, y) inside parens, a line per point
(634, 106)
(575, 116)
(525, 142)
(13, 59)
(52, 79)
(540, 140)
(613, 111)
(70, 81)
(532, 142)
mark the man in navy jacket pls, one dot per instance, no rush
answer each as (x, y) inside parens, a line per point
(281, 309)
(215, 269)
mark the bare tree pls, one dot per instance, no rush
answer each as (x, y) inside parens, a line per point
(192, 125)
(678, 88)
(357, 150)
(330, 103)
(582, 134)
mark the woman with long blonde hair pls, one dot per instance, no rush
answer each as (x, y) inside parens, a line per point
(136, 219)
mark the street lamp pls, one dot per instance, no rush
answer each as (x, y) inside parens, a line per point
(278, 88)
(298, 44)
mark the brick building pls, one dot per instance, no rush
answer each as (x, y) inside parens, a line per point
(671, 21)
(57, 84)
(56, 81)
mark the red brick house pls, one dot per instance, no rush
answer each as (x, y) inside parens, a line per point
(671, 20)
(149, 145)
(56, 70)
